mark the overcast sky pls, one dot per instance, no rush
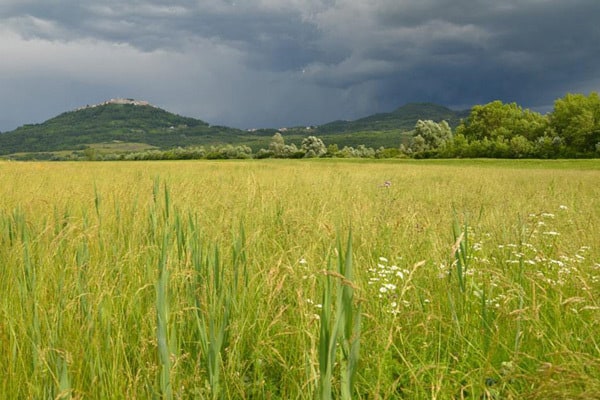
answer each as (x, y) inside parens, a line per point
(275, 63)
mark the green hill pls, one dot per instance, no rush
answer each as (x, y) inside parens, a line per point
(122, 124)
(112, 123)
(403, 118)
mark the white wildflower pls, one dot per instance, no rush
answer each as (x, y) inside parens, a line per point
(557, 262)
(387, 287)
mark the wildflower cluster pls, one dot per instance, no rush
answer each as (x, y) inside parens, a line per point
(387, 279)
(539, 252)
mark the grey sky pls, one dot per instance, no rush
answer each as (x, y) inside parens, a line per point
(272, 63)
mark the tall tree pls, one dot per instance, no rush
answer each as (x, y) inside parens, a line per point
(576, 120)
(496, 119)
(313, 147)
(277, 145)
(434, 135)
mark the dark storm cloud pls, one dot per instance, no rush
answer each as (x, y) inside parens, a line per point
(276, 35)
(524, 51)
(283, 62)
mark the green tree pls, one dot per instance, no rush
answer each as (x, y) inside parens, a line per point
(520, 147)
(418, 144)
(313, 147)
(277, 145)
(576, 120)
(496, 119)
(434, 134)
(332, 150)
(91, 154)
(548, 146)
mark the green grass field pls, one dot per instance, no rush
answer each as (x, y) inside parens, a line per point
(261, 279)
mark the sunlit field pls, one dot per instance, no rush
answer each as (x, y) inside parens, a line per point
(315, 279)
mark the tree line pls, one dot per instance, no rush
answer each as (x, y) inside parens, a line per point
(493, 130)
(498, 130)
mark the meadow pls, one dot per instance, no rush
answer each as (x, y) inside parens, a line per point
(306, 279)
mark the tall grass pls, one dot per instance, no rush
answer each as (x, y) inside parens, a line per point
(339, 326)
(232, 280)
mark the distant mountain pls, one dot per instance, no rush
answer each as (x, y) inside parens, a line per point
(119, 123)
(404, 118)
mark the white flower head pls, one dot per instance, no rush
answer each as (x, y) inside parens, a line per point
(551, 233)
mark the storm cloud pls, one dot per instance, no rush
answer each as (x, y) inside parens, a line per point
(272, 63)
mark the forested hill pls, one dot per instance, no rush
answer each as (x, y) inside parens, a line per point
(404, 118)
(112, 121)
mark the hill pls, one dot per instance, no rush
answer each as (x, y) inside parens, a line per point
(404, 118)
(114, 121)
(123, 122)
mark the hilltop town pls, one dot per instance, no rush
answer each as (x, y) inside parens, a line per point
(118, 101)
